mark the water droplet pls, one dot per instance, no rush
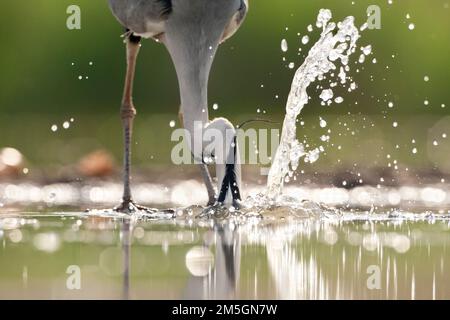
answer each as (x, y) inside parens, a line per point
(411, 26)
(426, 102)
(367, 50)
(54, 128)
(322, 123)
(291, 65)
(395, 124)
(305, 39)
(339, 100)
(326, 94)
(435, 143)
(390, 104)
(414, 150)
(362, 58)
(426, 78)
(284, 45)
(66, 125)
(215, 106)
(172, 123)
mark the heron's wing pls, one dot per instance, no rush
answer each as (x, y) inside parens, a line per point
(236, 21)
(143, 17)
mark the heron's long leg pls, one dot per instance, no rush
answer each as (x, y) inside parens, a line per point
(208, 183)
(128, 112)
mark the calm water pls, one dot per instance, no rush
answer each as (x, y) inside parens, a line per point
(292, 250)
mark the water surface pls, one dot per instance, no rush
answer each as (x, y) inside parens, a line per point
(307, 251)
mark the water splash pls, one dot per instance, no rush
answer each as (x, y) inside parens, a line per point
(337, 42)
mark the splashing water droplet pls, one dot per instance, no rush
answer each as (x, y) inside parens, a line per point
(215, 106)
(339, 100)
(326, 95)
(322, 123)
(284, 45)
(54, 128)
(312, 156)
(323, 18)
(66, 125)
(362, 58)
(305, 39)
(337, 42)
(172, 123)
(411, 26)
(367, 50)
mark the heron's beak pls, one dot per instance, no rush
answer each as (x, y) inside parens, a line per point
(231, 182)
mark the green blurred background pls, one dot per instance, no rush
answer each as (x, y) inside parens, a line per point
(41, 61)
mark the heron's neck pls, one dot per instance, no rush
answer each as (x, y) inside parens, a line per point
(193, 64)
(192, 35)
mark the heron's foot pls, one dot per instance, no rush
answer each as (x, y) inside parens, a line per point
(219, 210)
(129, 207)
(211, 201)
(216, 210)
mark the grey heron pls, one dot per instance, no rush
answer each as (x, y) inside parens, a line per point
(191, 30)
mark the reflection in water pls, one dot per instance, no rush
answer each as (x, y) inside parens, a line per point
(358, 259)
(219, 279)
(125, 238)
(349, 256)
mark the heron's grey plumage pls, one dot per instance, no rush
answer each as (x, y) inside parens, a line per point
(147, 17)
(142, 17)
